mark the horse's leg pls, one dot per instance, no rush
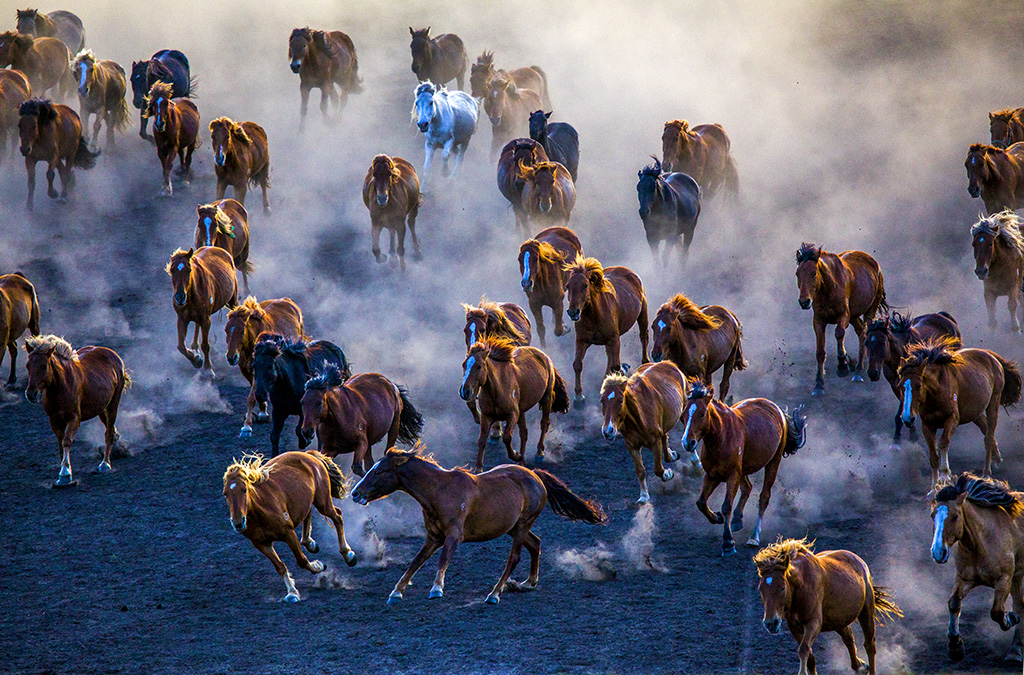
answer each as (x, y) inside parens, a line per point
(110, 130)
(66, 442)
(687, 240)
(411, 221)
(955, 645)
(429, 547)
(614, 363)
(96, 129)
(400, 232)
(312, 566)
(707, 488)
(843, 368)
(990, 419)
(187, 169)
(847, 635)
(494, 597)
(933, 454)
(325, 97)
(267, 549)
(222, 187)
(819, 341)
(325, 505)
(658, 452)
(867, 624)
(375, 230)
(859, 328)
(899, 426)
(264, 187)
(428, 150)
(195, 340)
(30, 169)
(732, 484)
(545, 423)
(537, 309)
(446, 153)
(303, 105)
(143, 125)
(12, 349)
(737, 517)
(250, 403)
(641, 472)
(952, 422)
(523, 432)
(359, 455)
(1011, 305)
(481, 441)
(810, 634)
(532, 544)
(110, 436)
(771, 470)
(577, 369)
(451, 543)
(1001, 591)
(167, 162)
(240, 191)
(67, 181)
(277, 426)
(207, 364)
(727, 368)
(990, 305)
(460, 154)
(506, 437)
(1017, 593)
(182, 336)
(558, 310)
(307, 534)
(51, 173)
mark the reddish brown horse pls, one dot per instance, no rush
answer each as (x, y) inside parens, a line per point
(204, 282)
(549, 195)
(175, 131)
(506, 320)
(101, 91)
(1006, 126)
(509, 107)
(225, 224)
(604, 303)
(60, 24)
(267, 500)
(999, 262)
(699, 340)
(996, 175)
(459, 506)
(542, 262)
(531, 77)
(51, 133)
(75, 386)
(844, 289)
(322, 60)
(821, 592)
(241, 156)
(701, 152)
(14, 90)
(439, 60)
(19, 312)
(391, 191)
(517, 152)
(45, 61)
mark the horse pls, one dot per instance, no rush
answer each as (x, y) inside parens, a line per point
(74, 387)
(439, 60)
(268, 499)
(604, 303)
(225, 224)
(506, 320)
(44, 61)
(844, 289)
(204, 282)
(643, 408)
(280, 368)
(51, 132)
(168, 65)
(560, 141)
(351, 415)
(175, 132)
(19, 312)
(391, 192)
(506, 382)
(998, 245)
(323, 59)
(61, 24)
(549, 194)
(241, 155)
(948, 387)
(101, 91)
(1006, 126)
(510, 179)
(459, 506)
(14, 90)
(886, 344)
(821, 592)
(701, 152)
(669, 208)
(698, 340)
(981, 521)
(508, 108)
(996, 175)
(530, 77)
(245, 323)
(542, 262)
(448, 120)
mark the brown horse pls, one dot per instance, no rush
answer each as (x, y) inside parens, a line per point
(509, 107)
(14, 90)
(51, 133)
(507, 381)
(1006, 126)
(996, 175)
(267, 500)
(701, 152)
(175, 131)
(75, 386)
(999, 262)
(241, 156)
(61, 24)
(948, 387)
(531, 77)
(44, 61)
(459, 506)
(518, 151)
(323, 59)
(821, 592)
(982, 521)
(391, 191)
(542, 262)
(549, 195)
(353, 415)
(739, 440)
(844, 289)
(204, 282)
(699, 340)
(604, 303)
(439, 60)
(19, 312)
(225, 224)
(101, 92)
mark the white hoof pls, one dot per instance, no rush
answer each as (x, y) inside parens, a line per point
(436, 591)
(668, 475)
(316, 567)
(644, 498)
(350, 558)
(754, 541)
(246, 432)
(291, 597)
(493, 599)
(394, 598)
(673, 456)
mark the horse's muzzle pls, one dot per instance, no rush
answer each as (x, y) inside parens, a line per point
(296, 66)
(423, 126)
(981, 273)
(25, 151)
(382, 200)
(158, 125)
(805, 303)
(974, 191)
(232, 359)
(496, 120)
(32, 395)
(239, 526)
(644, 214)
(608, 432)
(773, 626)
(465, 394)
(360, 499)
(908, 420)
(656, 356)
(528, 285)
(689, 445)
(573, 313)
(83, 91)
(873, 374)
(220, 158)
(544, 207)
(940, 554)
(179, 299)
(305, 437)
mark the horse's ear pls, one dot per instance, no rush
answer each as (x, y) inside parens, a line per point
(991, 118)
(427, 32)
(29, 347)
(190, 253)
(547, 115)
(412, 32)
(961, 497)
(596, 277)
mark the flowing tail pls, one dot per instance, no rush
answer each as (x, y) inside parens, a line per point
(738, 361)
(122, 116)
(886, 608)
(410, 424)
(84, 159)
(565, 503)
(796, 430)
(33, 320)
(1011, 382)
(881, 303)
(561, 402)
(339, 485)
(732, 181)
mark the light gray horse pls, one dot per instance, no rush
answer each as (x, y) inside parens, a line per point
(448, 120)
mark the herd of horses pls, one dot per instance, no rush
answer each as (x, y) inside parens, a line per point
(932, 374)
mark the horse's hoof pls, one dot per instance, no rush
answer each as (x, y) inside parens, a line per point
(667, 475)
(262, 417)
(197, 362)
(756, 543)
(819, 390)
(493, 440)
(728, 549)
(956, 649)
(1011, 620)
(350, 558)
(625, 368)
(316, 567)
(644, 499)
(291, 597)
(394, 598)
(64, 482)
(579, 402)
(436, 592)
(381, 257)
(493, 599)
(843, 370)
(104, 467)
(894, 447)
(246, 432)
(312, 546)
(857, 377)
(62, 200)
(673, 456)
(736, 525)
(417, 256)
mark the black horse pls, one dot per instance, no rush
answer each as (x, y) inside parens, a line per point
(559, 139)
(169, 66)
(669, 207)
(280, 368)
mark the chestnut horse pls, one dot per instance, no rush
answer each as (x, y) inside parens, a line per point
(560, 141)
(167, 65)
(63, 25)
(225, 224)
(44, 61)
(267, 500)
(244, 324)
(19, 312)
(14, 90)
(981, 521)
(459, 506)
(439, 60)
(51, 133)
(699, 340)
(175, 131)
(506, 320)
(669, 208)
(1006, 126)
(101, 92)
(844, 289)
(996, 175)
(998, 245)
(821, 592)
(323, 59)
(530, 77)
(241, 156)
(948, 387)
(508, 107)
(542, 262)
(517, 152)
(391, 191)
(204, 282)
(352, 415)
(701, 152)
(549, 195)
(507, 381)
(75, 386)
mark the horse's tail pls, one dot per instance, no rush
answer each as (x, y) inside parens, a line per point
(339, 486)
(739, 363)
(33, 320)
(796, 430)
(545, 95)
(732, 180)
(410, 423)
(122, 116)
(355, 83)
(565, 503)
(561, 400)
(880, 301)
(84, 158)
(247, 267)
(1011, 382)
(886, 608)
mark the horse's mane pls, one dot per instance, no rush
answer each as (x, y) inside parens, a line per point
(692, 316)
(652, 169)
(498, 348)
(426, 87)
(233, 127)
(539, 167)
(492, 310)
(323, 44)
(26, 13)
(987, 493)
(176, 256)
(387, 161)
(420, 33)
(330, 376)
(900, 323)
(1004, 114)
(222, 219)
(807, 252)
(51, 344)
(23, 40)
(84, 56)
(589, 266)
(1005, 226)
(485, 59)
(682, 125)
(779, 554)
(38, 107)
(613, 380)
(303, 32)
(939, 351)
(158, 68)
(252, 469)
(250, 308)
(698, 389)
(157, 91)
(419, 451)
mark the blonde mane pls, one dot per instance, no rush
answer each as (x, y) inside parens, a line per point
(252, 469)
(249, 309)
(781, 553)
(543, 250)
(84, 56)
(495, 319)
(157, 91)
(496, 347)
(692, 316)
(222, 219)
(589, 266)
(51, 344)
(234, 129)
(1004, 226)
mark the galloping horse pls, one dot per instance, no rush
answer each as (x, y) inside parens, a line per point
(821, 592)
(604, 303)
(542, 262)
(19, 312)
(699, 340)
(483, 71)
(981, 521)
(225, 224)
(101, 91)
(549, 195)
(61, 24)
(447, 120)
(168, 65)
(508, 107)
(14, 90)
(560, 141)
(459, 506)
(998, 245)
(506, 320)
(44, 61)
(241, 155)
(51, 133)
(175, 131)
(519, 151)
(701, 152)
(669, 208)
(844, 289)
(204, 282)
(1006, 127)
(75, 386)
(391, 192)
(439, 60)
(322, 60)
(996, 175)
(267, 501)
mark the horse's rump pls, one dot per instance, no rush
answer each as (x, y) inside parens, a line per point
(629, 294)
(1011, 382)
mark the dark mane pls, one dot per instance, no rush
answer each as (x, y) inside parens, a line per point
(40, 108)
(807, 252)
(900, 323)
(939, 351)
(698, 389)
(987, 493)
(653, 170)
(331, 376)
(485, 59)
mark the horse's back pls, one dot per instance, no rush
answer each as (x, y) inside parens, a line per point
(929, 326)
(104, 369)
(343, 40)
(466, 113)
(14, 79)
(506, 493)
(214, 259)
(687, 194)
(21, 298)
(846, 582)
(864, 267)
(1016, 152)
(517, 316)
(978, 364)
(629, 294)
(69, 29)
(285, 315)
(563, 240)
(713, 134)
(322, 352)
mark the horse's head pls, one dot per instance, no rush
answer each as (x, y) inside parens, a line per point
(224, 132)
(525, 151)
(13, 43)
(383, 478)
(698, 401)
(541, 177)
(666, 322)
(539, 125)
(584, 276)
(180, 271)
(41, 352)
(27, 21)
(480, 74)
(424, 105)
(474, 370)
(140, 83)
(243, 325)
(876, 345)
(613, 391)
(648, 187)
(978, 165)
(83, 68)
(674, 142)
(314, 401)
(999, 126)
(807, 277)
(384, 173)
(264, 364)
(529, 263)
(496, 102)
(420, 47)
(476, 324)
(238, 479)
(211, 222)
(947, 519)
(984, 234)
(158, 103)
(774, 570)
(297, 44)
(35, 122)
(921, 373)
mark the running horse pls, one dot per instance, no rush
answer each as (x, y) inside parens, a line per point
(391, 192)
(530, 77)
(241, 156)
(559, 139)
(322, 60)
(14, 90)
(225, 224)
(549, 195)
(506, 320)
(517, 152)
(439, 60)
(101, 92)
(61, 24)
(44, 61)
(669, 208)
(542, 262)
(203, 280)
(996, 175)
(1006, 126)
(51, 132)
(447, 120)
(998, 245)
(19, 312)
(168, 65)
(701, 152)
(508, 107)
(175, 131)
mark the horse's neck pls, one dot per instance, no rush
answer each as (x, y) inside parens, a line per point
(897, 350)
(424, 483)
(828, 283)
(979, 526)
(719, 418)
(603, 298)
(65, 376)
(498, 377)
(199, 286)
(1004, 253)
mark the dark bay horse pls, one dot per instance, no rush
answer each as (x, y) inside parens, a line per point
(459, 506)
(19, 312)
(75, 386)
(322, 60)
(14, 90)
(508, 107)
(701, 152)
(101, 92)
(439, 60)
(560, 141)
(549, 195)
(821, 592)
(996, 175)
(542, 262)
(1006, 126)
(60, 24)
(168, 65)
(669, 208)
(530, 77)
(175, 131)
(241, 156)
(267, 500)
(391, 192)
(225, 224)
(519, 151)
(45, 61)
(204, 282)
(998, 245)
(844, 289)
(51, 133)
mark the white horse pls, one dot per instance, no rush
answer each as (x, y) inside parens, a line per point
(448, 120)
